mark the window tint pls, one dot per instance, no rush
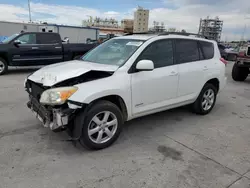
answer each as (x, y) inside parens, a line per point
(187, 51)
(208, 50)
(27, 39)
(48, 38)
(160, 52)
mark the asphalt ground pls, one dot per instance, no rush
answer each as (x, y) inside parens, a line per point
(169, 149)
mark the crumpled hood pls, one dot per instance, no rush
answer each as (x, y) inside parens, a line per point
(53, 74)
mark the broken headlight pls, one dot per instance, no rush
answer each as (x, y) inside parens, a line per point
(57, 96)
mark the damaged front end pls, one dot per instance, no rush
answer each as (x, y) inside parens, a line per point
(56, 117)
(56, 113)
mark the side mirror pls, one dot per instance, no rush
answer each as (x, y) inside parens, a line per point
(145, 65)
(16, 42)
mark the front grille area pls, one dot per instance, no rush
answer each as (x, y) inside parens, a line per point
(35, 89)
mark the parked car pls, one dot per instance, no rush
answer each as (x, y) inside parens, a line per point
(241, 68)
(94, 96)
(226, 54)
(34, 48)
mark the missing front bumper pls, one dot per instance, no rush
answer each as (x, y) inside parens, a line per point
(56, 119)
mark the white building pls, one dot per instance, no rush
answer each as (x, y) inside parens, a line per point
(141, 17)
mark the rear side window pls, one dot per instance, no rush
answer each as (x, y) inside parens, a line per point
(207, 50)
(50, 38)
(186, 51)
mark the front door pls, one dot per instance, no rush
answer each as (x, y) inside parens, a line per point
(25, 53)
(152, 90)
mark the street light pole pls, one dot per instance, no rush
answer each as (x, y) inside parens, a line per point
(29, 10)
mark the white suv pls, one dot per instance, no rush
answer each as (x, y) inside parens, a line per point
(125, 78)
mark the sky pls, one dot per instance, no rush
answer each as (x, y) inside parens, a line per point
(181, 14)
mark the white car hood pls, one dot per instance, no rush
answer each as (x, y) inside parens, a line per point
(53, 74)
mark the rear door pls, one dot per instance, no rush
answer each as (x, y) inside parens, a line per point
(191, 68)
(50, 48)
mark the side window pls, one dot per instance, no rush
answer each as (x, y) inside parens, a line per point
(48, 38)
(187, 51)
(27, 39)
(160, 52)
(208, 49)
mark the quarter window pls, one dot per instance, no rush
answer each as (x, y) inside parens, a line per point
(208, 49)
(186, 51)
(160, 52)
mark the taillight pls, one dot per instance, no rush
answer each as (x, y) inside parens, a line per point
(223, 61)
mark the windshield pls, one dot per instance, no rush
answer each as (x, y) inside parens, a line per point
(113, 52)
(7, 40)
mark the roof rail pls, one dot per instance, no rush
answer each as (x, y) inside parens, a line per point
(144, 33)
(168, 33)
(184, 34)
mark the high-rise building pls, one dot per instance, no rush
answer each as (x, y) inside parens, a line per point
(211, 28)
(141, 17)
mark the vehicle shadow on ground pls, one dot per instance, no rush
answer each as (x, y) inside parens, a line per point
(166, 121)
(21, 71)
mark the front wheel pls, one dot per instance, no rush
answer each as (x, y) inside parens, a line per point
(3, 66)
(102, 126)
(206, 100)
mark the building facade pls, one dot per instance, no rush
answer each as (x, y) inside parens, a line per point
(141, 18)
(127, 25)
(211, 28)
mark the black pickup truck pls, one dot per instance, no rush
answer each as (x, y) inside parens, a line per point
(37, 48)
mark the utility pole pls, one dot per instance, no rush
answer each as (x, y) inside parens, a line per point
(29, 10)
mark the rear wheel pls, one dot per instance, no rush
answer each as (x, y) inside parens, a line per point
(102, 126)
(206, 100)
(3, 66)
(239, 73)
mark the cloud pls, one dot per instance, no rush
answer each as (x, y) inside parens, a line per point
(181, 14)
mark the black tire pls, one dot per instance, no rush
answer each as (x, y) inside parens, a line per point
(197, 105)
(239, 73)
(99, 107)
(3, 66)
(77, 57)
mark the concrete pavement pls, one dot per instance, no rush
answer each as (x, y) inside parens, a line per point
(170, 149)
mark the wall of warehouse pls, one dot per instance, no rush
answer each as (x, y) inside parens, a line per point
(77, 35)
(9, 28)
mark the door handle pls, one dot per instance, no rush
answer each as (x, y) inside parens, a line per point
(205, 68)
(173, 73)
(34, 48)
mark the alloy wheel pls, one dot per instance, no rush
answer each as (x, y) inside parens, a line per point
(2, 66)
(208, 100)
(102, 127)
